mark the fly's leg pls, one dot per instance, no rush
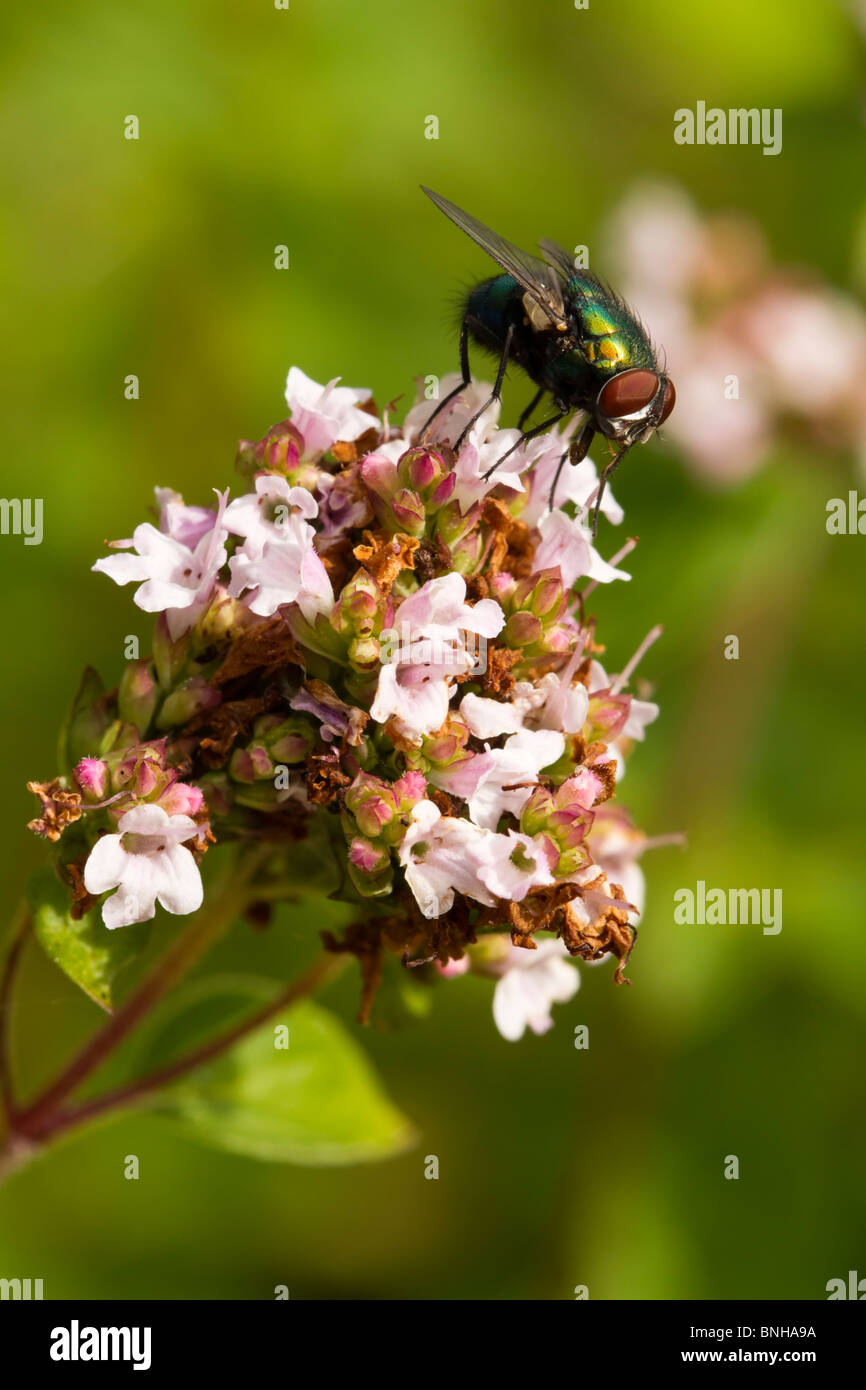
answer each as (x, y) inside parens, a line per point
(529, 409)
(614, 464)
(494, 396)
(575, 453)
(465, 375)
(530, 434)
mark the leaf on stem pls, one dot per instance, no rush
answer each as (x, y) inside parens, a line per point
(315, 1101)
(85, 950)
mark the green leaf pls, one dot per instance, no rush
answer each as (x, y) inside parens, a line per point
(316, 1102)
(85, 723)
(86, 951)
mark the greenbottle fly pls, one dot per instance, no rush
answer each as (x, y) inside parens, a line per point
(575, 339)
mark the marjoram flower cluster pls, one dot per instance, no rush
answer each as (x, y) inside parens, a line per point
(380, 656)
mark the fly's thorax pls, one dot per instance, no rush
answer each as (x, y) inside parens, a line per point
(611, 338)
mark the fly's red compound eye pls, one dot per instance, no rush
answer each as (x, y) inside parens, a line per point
(670, 402)
(628, 392)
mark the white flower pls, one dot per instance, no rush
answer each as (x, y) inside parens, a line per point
(324, 414)
(147, 863)
(444, 855)
(261, 516)
(479, 454)
(439, 608)
(278, 559)
(416, 689)
(576, 482)
(532, 982)
(615, 848)
(552, 702)
(449, 425)
(172, 577)
(489, 718)
(502, 779)
(566, 544)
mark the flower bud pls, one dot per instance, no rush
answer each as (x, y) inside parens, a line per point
(276, 741)
(278, 452)
(91, 774)
(168, 656)
(523, 630)
(137, 694)
(564, 819)
(140, 770)
(182, 799)
(396, 508)
(606, 716)
(358, 617)
(223, 618)
(423, 472)
(367, 857)
(192, 697)
(407, 513)
(372, 804)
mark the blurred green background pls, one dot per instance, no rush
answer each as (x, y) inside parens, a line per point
(306, 127)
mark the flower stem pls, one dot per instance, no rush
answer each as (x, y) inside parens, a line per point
(319, 972)
(20, 932)
(36, 1121)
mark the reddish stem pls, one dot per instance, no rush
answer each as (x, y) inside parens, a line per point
(125, 1095)
(34, 1120)
(10, 968)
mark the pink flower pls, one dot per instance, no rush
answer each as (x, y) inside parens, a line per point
(807, 334)
(616, 847)
(640, 712)
(552, 702)
(449, 425)
(566, 545)
(417, 687)
(416, 696)
(172, 578)
(182, 523)
(726, 436)
(576, 483)
(324, 414)
(479, 454)
(439, 608)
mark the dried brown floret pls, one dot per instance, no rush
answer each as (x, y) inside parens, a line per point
(60, 808)
(267, 647)
(385, 556)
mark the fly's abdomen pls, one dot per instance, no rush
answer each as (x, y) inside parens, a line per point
(492, 308)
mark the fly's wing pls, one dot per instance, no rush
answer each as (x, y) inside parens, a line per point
(558, 257)
(540, 280)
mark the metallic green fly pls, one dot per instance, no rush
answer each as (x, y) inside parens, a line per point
(573, 336)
